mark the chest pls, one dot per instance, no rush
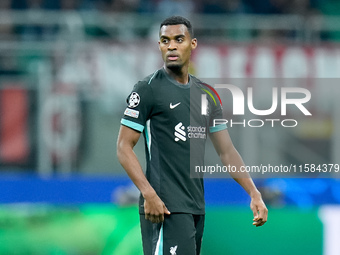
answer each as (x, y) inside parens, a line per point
(174, 105)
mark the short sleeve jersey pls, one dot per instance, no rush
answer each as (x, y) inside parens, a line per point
(175, 130)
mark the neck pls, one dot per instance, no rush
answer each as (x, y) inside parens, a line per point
(180, 75)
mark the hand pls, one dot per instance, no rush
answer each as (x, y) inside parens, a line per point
(259, 209)
(154, 209)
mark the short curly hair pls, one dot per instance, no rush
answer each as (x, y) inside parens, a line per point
(178, 20)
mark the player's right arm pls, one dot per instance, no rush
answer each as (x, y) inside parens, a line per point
(154, 208)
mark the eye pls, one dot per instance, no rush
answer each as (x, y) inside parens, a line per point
(164, 40)
(180, 40)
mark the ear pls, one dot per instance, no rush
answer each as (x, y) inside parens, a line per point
(193, 43)
(159, 45)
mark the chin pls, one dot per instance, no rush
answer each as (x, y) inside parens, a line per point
(174, 66)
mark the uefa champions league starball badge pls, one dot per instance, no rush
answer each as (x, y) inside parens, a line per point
(134, 100)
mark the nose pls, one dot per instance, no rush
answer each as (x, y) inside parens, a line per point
(172, 45)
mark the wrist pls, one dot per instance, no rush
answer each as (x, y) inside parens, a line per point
(149, 193)
(255, 194)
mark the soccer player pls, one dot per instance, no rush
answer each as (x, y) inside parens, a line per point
(166, 107)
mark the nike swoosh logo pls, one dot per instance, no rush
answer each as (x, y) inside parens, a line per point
(175, 105)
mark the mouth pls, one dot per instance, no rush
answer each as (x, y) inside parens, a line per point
(172, 57)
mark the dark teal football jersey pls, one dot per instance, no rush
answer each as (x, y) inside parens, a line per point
(175, 130)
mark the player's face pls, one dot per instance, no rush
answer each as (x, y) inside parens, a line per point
(176, 45)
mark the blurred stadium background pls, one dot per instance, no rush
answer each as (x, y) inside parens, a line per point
(66, 67)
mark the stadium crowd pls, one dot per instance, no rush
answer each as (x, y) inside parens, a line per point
(169, 7)
(45, 32)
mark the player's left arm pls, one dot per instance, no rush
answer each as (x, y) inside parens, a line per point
(230, 156)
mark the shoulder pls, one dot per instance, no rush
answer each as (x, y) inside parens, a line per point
(143, 90)
(151, 78)
(195, 80)
(207, 88)
(144, 84)
(201, 84)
